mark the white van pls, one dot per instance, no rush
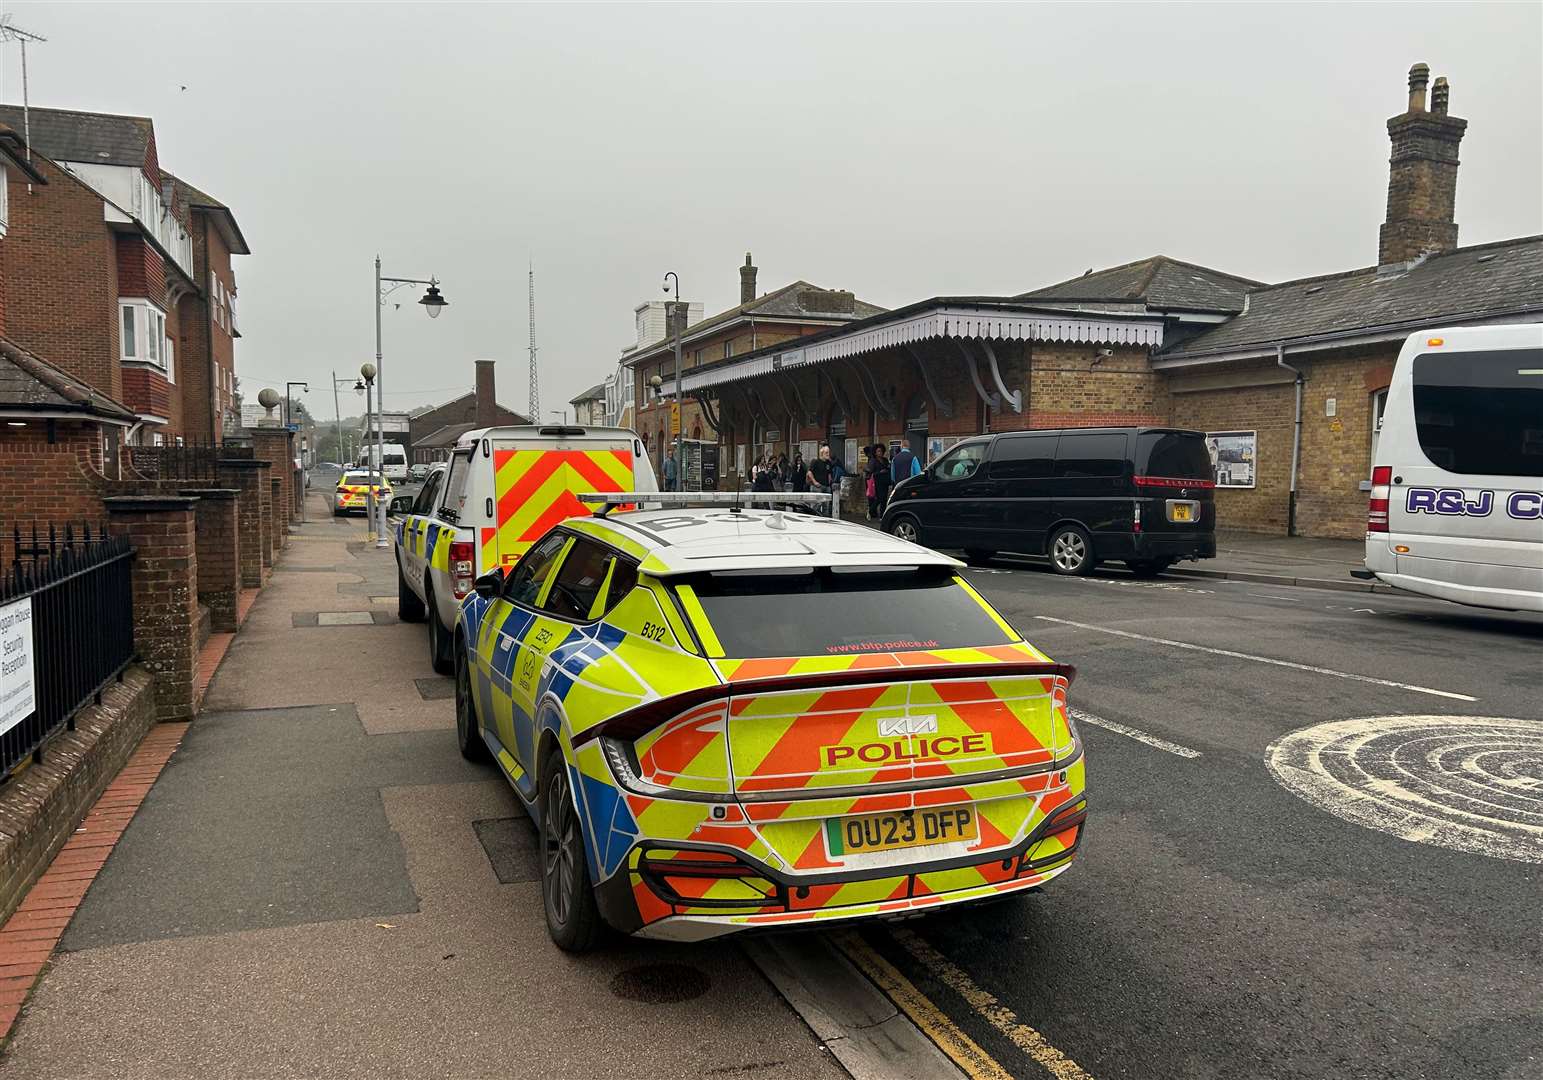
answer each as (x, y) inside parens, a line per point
(395, 455)
(502, 489)
(1456, 505)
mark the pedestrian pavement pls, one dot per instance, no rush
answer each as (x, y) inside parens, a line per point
(1285, 560)
(317, 884)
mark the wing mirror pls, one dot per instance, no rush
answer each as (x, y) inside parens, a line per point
(401, 506)
(488, 584)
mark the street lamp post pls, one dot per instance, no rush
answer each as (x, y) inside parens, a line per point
(369, 373)
(432, 303)
(675, 403)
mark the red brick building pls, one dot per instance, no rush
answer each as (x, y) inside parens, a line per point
(119, 273)
(1157, 341)
(751, 326)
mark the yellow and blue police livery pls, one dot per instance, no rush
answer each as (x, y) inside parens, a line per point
(723, 719)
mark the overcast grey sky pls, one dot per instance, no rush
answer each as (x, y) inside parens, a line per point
(897, 151)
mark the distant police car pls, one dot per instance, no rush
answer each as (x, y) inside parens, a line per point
(1456, 508)
(724, 719)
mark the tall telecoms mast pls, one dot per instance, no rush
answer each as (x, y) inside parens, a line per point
(535, 382)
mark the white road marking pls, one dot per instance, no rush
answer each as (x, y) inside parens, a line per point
(1466, 783)
(999, 1016)
(1260, 659)
(1272, 596)
(1135, 733)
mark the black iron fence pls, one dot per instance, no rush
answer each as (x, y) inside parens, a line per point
(66, 631)
(190, 461)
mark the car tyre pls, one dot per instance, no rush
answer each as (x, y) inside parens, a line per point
(468, 729)
(1071, 551)
(408, 607)
(1148, 568)
(440, 658)
(905, 527)
(572, 916)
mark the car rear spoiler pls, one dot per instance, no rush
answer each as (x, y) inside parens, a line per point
(610, 500)
(644, 718)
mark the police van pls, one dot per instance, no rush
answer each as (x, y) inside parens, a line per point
(501, 490)
(1456, 507)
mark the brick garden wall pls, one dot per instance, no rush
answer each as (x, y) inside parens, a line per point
(41, 807)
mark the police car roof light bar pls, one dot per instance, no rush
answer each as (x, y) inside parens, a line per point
(610, 500)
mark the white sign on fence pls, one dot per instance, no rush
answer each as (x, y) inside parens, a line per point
(18, 690)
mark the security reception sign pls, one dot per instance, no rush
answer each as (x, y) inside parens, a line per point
(18, 685)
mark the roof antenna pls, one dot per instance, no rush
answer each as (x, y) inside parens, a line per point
(11, 32)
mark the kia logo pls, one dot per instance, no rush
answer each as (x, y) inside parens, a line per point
(908, 725)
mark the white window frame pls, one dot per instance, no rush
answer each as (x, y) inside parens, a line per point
(5, 200)
(142, 337)
(1376, 408)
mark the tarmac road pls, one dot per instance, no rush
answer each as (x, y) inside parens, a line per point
(1380, 917)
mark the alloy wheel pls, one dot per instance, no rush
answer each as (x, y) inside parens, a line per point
(559, 837)
(906, 530)
(1069, 552)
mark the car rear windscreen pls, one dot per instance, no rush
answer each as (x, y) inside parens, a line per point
(1171, 454)
(1481, 412)
(831, 612)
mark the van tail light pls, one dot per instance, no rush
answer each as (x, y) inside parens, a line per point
(1174, 482)
(1377, 505)
(463, 567)
(1136, 525)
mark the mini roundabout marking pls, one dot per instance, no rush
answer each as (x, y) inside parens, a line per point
(1466, 783)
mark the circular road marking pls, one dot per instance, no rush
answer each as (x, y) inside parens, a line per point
(1468, 783)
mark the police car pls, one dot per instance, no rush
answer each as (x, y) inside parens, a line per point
(352, 494)
(725, 718)
(501, 490)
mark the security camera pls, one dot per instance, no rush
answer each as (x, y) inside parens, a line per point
(1105, 352)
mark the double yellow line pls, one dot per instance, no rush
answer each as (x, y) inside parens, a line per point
(972, 1060)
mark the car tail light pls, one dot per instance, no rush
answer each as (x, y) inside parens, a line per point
(1377, 505)
(463, 567)
(1137, 525)
(1174, 482)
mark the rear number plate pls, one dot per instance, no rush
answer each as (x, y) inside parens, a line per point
(1183, 511)
(885, 832)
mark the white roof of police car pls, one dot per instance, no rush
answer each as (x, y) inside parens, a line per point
(533, 431)
(718, 538)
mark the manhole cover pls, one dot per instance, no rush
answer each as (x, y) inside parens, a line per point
(510, 845)
(660, 984)
(1469, 783)
(435, 689)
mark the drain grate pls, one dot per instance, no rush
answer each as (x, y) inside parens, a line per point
(660, 984)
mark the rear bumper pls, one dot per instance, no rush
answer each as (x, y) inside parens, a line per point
(824, 899)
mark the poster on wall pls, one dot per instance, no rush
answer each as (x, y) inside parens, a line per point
(1234, 457)
(18, 689)
(849, 457)
(739, 458)
(937, 445)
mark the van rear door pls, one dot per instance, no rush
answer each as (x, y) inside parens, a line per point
(1468, 487)
(537, 480)
(1175, 483)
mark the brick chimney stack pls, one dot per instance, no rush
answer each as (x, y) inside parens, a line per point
(487, 403)
(746, 281)
(1422, 175)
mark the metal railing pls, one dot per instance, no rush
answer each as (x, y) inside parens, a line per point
(66, 630)
(191, 461)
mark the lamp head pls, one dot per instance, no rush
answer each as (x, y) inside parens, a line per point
(367, 372)
(432, 302)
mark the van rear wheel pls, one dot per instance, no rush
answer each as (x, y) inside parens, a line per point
(408, 607)
(1071, 551)
(440, 658)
